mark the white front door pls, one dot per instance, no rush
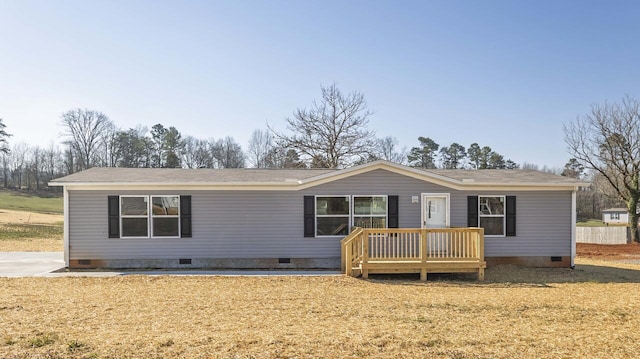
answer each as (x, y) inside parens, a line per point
(435, 210)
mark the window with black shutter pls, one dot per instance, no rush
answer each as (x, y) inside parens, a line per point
(143, 216)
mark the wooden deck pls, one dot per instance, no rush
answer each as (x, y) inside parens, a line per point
(426, 250)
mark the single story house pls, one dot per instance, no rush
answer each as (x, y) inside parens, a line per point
(296, 218)
(615, 216)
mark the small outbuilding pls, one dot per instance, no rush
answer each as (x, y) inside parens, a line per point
(615, 216)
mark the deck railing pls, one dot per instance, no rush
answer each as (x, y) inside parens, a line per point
(408, 250)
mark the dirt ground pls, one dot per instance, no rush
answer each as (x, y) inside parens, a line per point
(608, 251)
(30, 232)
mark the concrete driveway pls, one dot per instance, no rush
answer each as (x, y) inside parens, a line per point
(29, 264)
(42, 264)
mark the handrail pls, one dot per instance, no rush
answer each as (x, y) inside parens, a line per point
(415, 245)
(347, 245)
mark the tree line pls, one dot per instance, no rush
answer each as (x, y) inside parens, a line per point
(331, 133)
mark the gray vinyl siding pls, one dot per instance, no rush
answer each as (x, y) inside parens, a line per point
(543, 225)
(269, 224)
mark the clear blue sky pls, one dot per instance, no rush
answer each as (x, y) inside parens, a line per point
(506, 74)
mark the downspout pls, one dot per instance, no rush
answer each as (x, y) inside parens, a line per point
(573, 228)
(66, 226)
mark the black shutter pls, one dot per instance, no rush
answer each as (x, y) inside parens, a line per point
(309, 216)
(185, 216)
(472, 211)
(511, 216)
(114, 216)
(392, 203)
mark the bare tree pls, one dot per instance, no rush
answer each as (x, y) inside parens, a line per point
(388, 148)
(52, 162)
(197, 153)
(35, 165)
(607, 140)
(84, 130)
(261, 145)
(228, 153)
(333, 132)
(19, 153)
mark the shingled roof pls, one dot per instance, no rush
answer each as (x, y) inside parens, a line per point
(183, 175)
(306, 177)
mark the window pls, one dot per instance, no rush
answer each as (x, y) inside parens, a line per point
(615, 216)
(491, 215)
(165, 216)
(332, 216)
(148, 216)
(134, 216)
(335, 215)
(370, 212)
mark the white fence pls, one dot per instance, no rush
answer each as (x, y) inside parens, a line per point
(602, 235)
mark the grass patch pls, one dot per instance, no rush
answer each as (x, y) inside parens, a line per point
(516, 313)
(597, 223)
(42, 339)
(590, 223)
(16, 231)
(75, 345)
(31, 202)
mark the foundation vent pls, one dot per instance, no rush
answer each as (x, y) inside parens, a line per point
(556, 259)
(84, 262)
(185, 260)
(284, 260)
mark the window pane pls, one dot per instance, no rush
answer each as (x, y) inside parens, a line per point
(332, 205)
(165, 227)
(491, 205)
(134, 206)
(493, 226)
(362, 205)
(166, 205)
(370, 222)
(379, 205)
(134, 227)
(332, 226)
(370, 205)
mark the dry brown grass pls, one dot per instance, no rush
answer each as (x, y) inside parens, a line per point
(593, 311)
(30, 231)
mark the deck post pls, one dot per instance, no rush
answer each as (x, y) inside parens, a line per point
(365, 254)
(480, 274)
(343, 257)
(348, 261)
(423, 253)
(480, 236)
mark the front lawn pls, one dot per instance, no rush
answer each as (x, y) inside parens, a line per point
(592, 311)
(50, 203)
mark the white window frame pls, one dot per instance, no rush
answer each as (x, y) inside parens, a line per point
(353, 212)
(615, 216)
(315, 210)
(133, 216)
(152, 216)
(149, 217)
(503, 215)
